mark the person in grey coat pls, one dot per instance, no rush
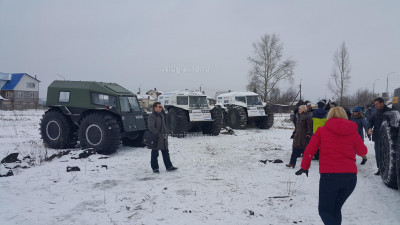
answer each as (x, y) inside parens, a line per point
(157, 125)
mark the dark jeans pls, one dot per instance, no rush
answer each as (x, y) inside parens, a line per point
(334, 189)
(296, 152)
(154, 159)
(378, 152)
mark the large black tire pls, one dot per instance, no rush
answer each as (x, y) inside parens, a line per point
(267, 121)
(101, 132)
(236, 117)
(136, 141)
(214, 128)
(388, 140)
(177, 122)
(57, 130)
(398, 159)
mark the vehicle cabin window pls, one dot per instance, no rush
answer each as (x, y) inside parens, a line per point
(182, 100)
(254, 100)
(241, 99)
(129, 104)
(106, 100)
(64, 96)
(198, 101)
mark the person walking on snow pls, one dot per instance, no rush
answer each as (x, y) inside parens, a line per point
(375, 123)
(319, 120)
(157, 125)
(362, 125)
(301, 134)
(339, 142)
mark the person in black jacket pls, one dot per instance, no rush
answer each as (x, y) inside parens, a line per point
(359, 118)
(157, 125)
(374, 125)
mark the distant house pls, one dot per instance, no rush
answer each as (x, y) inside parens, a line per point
(154, 93)
(20, 89)
(146, 102)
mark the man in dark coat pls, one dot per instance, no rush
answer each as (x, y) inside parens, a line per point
(301, 134)
(374, 125)
(157, 125)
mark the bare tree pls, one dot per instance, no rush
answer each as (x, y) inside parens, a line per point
(254, 85)
(288, 96)
(340, 77)
(362, 97)
(274, 95)
(268, 66)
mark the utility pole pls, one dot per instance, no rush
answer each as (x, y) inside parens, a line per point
(373, 88)
(387, 83)
(300, 89)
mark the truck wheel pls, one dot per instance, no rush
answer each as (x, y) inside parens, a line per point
(237, 118)
(224, 118)
(398, 159)
(57, 130)
(177, 121)
(267, 121)
(136, 141)
(101, 132)
(387, 141)
(214, 128)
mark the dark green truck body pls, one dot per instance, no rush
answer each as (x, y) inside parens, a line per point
(81, 99)
(98, 115)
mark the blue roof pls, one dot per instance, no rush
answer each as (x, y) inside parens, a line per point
(15, 78)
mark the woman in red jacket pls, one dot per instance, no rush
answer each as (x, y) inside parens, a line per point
(338, 141)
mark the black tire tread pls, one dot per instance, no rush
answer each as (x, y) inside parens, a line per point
(68, 137)
(388, 139)
(215, 127)
(240, 113)
(112, 135)
(267, 121)
(181, 121)
(134, 142)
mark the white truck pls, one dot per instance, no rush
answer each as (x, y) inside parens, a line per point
(242, 108)
(189, 111)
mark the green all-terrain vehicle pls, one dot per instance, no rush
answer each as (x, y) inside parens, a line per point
(97, 114)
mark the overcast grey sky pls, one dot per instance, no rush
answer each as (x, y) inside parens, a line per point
(151, 44)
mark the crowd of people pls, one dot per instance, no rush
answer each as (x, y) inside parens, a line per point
(330, 133)
(336, 137)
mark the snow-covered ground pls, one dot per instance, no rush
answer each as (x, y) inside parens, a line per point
(219, 181)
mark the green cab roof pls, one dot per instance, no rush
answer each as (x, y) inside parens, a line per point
(111, 88)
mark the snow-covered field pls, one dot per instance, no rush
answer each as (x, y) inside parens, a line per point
(219, 181)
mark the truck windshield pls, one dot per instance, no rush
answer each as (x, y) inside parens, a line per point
(198, 101)
(253, 100)
(129, 104)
